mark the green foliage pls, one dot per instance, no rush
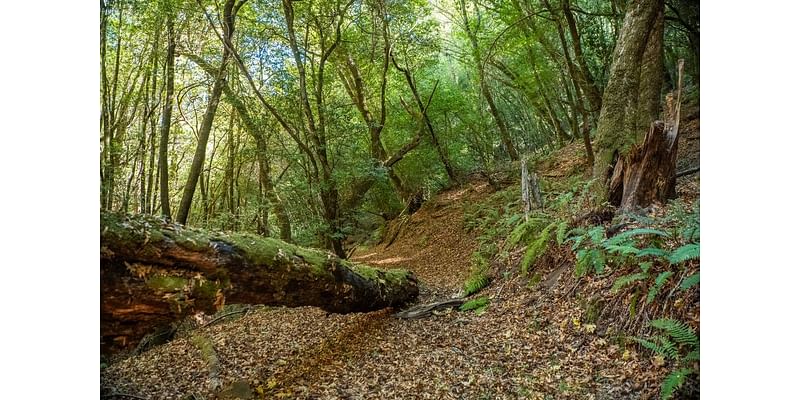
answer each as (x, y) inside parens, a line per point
(537, 247)
(478, 304)
(690, 281)
(681, 345)
(627, 280)
(661, 279)
(684, 253)
(478, 278)
(561, 232)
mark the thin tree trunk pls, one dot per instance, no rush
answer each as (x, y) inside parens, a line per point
(208, 118)
(166, 120)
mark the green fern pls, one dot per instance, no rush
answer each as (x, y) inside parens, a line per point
(635, 232)
(627, 280)
(475, 283)
(621, 249)
(684, 253)
(537, 248)
(673, 382)
(652, 251)
(661, 279)
(661, 346)
(682, 333)
(690, 281)
(479, 305)
(561, 232)
(523, 232)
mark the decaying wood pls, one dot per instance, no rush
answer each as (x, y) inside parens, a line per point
(647, 174)
(530, 190)
(154, 273)
(688, 171)
(425, 310)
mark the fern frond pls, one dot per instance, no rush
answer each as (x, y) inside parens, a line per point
(690, 281)
(673, 382)
(475, 304)
(582, 262)
(645, 266)
(682, 333)
(635, 232)
(661, 279)
(598, 261)
(475, 283)
(685, 252)
(693, 355)
(621, 249)
(652, 251)
(627, 280)
(561, 232)
(662, 346)
(536, 248)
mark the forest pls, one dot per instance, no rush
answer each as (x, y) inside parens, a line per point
(369, 199)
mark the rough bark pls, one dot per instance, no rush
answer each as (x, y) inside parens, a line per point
(647, 175)
(154, 273)
(630, 88)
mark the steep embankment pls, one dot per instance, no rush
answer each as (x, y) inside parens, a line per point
(539, 338)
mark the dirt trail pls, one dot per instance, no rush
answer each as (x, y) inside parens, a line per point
(520, 347)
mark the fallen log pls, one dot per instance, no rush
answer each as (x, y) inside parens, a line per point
(154, 273)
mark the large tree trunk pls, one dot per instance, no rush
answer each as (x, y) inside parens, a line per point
(647, 174)
(633, 86)
(153, 273)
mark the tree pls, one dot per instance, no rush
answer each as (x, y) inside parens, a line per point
(631, 99)
(154, 273)
(229, 18)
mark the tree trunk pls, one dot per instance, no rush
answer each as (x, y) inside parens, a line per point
(628, 98)
(208, 118)
(153, 273)
(166, 121)
(647, 174)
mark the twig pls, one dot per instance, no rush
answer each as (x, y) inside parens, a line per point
(225, 315)
(687, 171)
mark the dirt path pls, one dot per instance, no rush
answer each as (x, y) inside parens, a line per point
(524, 345)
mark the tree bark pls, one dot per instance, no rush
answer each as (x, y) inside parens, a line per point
(166, 121)
(153, 273)
(647, 175)
(629, 94)
(208, 118)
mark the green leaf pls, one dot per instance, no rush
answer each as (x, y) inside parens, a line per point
(627, 280)
(652, 251)
(661, 279)
(636, 232)
(673, 382)
(645, 266)
(690, 281)
(684, 253)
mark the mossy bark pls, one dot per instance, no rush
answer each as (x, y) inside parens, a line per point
(633, 91)
(154, 273)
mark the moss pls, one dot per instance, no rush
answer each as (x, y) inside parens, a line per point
(206, 290)
(392, 275)
(167, 283)
(593, 309)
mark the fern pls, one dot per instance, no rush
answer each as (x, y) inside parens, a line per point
(635, 232)
(682, 333)
(561, 232)
(652, 251)
(523, 232)
(627, 280)
(662, 346)
(684, 253)
(536, 248)
(475, 283)
(673, 382)
(661, 279)
(621, 249)
(479, 304)
(690, 281)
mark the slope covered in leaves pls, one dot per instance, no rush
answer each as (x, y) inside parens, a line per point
(535, 339)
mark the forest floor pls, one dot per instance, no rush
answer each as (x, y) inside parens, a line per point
(531, 342)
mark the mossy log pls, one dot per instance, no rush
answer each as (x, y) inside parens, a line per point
(154, 273)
